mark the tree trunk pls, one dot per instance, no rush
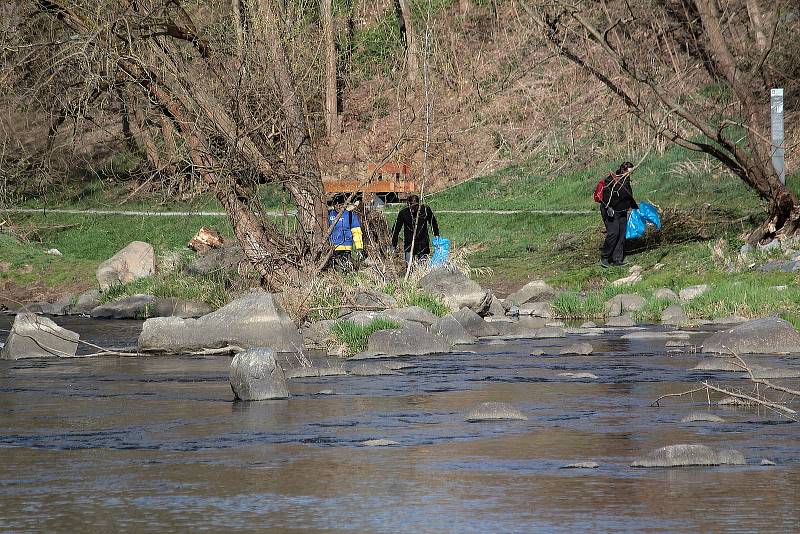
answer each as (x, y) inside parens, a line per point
(757, 22)
(407, 31)
(331, 73)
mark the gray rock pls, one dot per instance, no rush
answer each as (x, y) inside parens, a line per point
(589, 324)
(220, 259)
(531, 323)
(549, 332)
(665, 293)
(371, 369)
(623, 321)
(692, 292)
(769, 335)
(32, 336)
(536, 309)
(579, 375)
(373, 298)
(85, 303)
(717, 364)
(379, 443)
(59, 307)
(652, 334)
(534, 291)
(314, 371)
(581, 465)
(677, 343)
(135, 261)
(456, 290)
(581, 349)
(253, 320)
(174, 307)
(685, 455)
(325, 392)
(395, 366)
(255, 375)
(698, 417)
(494, 411)
(318, 333)
(618, 304)
(496, 308)
(474, 323)
(134, 307)
(674, 315)
(408, 341)
(363, 317)
(537, 352)
(449, 328)
(746, 249)
(775, 244)
(766, 462)
(735, 401)
(411, 313)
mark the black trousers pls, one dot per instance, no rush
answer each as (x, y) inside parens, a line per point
(614, 245)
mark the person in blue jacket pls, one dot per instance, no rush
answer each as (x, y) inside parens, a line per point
(345, 235)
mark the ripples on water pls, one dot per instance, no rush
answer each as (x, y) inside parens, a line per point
(156, 444)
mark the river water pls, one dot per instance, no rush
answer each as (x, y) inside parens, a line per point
(157, 444)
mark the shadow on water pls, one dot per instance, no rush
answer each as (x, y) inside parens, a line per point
(157, 443)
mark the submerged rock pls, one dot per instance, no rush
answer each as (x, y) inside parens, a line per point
(589, 324)
(456, 290)
(579, 375)
(255, 375)
(550, 332)
(769, 335)
(581, 349)
(494, 411)
(33, 336)
(313, 372)
(652, 334)
(766, 462)
(371, 369)
(136, 260)
(581, 465)
(379, 443)
(677, 343)
(254, 320)
(687, 455)
(623, 321)
(407, 341)
(704, 417)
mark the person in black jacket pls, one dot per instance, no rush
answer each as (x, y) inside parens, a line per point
(617, 200)
(414, 220)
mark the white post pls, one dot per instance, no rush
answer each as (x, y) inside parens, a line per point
(776, 107)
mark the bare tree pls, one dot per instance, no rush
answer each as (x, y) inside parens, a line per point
(616, 48)
(407, 30)
(331, 72)
(240, 117)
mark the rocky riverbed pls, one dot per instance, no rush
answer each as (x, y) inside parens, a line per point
(158, 443)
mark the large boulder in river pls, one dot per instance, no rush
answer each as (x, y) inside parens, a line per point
(769, 335)
(137, 260)
(684, 455)
(255, 375)
(453, 331)
(411, 340)
(474, 323)
(253, 320)
(456, 290)
(33, 336)
(535, 291)
(494, 411)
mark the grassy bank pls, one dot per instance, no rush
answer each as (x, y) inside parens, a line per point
(705, 212)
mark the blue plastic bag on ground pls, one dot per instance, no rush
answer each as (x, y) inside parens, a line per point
(636, 225)
(441, 251)
(650, 214)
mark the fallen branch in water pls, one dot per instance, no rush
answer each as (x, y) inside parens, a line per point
(655, 402)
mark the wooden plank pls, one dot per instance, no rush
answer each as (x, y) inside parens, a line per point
(381, 186)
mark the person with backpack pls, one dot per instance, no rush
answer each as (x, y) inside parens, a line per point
(345, 234)
(616, 198)
(414, 220)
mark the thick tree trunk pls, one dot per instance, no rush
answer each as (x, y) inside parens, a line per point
(331, 74)
(407, 30)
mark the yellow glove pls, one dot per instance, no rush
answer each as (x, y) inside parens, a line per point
(358, 240)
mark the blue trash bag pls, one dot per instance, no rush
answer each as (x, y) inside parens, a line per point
(650, 214)
(636, 225)
(441, 251)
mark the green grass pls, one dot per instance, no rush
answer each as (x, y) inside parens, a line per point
(651, 312)
(355, 336)
(27, 264)
(574, 306)
(211, 289)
